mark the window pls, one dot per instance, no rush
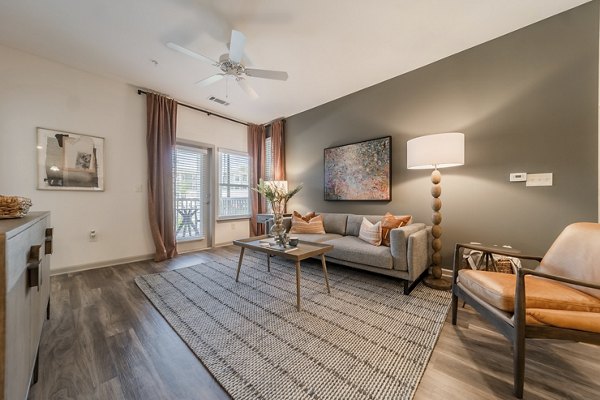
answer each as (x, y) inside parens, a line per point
(234, 175)
(190, 170)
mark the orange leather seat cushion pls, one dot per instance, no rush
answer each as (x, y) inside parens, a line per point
(498, 289)
(579, 320)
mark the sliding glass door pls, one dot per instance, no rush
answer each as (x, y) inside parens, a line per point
(191, 172)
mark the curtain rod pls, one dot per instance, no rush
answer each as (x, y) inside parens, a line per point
(209, 113)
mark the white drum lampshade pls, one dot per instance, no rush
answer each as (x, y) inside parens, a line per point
(441, 150)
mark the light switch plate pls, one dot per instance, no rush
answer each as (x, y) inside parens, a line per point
(539, 179)
(518, 176)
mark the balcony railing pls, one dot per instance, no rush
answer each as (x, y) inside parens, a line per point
(189, 213)
(233, 206)
(188, 219)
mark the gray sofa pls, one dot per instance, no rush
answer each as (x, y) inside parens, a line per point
(408, 256)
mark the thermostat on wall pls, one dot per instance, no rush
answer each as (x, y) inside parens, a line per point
(518, 176)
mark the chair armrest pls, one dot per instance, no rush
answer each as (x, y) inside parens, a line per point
(488, 249)
(526, 271)
(498, 250)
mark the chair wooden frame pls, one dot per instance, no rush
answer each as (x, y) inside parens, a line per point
(513, 326)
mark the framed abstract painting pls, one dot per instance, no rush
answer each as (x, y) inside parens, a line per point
(69, 161)
(359, 171)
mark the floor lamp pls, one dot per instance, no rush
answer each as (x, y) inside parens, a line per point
(442, 150)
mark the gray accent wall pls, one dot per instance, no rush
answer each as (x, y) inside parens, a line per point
(526, 102)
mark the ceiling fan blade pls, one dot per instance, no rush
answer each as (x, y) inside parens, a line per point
(247, 88)
(187, 52)
(236, 46)
(210, 80)
(267, 74)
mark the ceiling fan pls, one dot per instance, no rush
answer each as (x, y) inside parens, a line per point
(231, 65)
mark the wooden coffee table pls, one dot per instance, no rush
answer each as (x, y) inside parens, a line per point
(303, 251)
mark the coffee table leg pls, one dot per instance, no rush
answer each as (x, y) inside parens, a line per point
(325, 272)
(268, 262)
(298, 285)
(237, 276)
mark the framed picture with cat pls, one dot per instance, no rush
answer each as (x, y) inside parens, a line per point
(69, 161)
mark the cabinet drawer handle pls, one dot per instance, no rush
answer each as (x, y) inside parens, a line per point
(48, 242)
(34, 267)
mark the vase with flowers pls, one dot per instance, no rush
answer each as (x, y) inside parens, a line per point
(277, 194)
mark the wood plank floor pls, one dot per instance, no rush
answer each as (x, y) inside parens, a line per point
(105, 340)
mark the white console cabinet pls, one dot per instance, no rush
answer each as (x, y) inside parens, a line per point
(25, 248)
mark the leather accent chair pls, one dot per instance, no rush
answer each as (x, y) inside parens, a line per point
(558, 300)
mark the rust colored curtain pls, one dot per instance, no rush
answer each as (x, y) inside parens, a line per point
(160, 140)
(278, 149)
(256, 153)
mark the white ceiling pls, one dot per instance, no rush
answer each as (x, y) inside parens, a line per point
(330, 48)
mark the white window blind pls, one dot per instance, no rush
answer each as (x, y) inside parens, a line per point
(268, 161)
(234, 175)
(269, 175)
(190, 170)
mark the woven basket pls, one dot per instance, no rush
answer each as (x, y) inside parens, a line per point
(14, 206)
(504, 265)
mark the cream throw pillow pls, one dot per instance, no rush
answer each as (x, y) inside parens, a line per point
(370, 233)
(315, 225)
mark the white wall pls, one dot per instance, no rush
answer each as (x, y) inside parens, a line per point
(201, 128)
(35, 92)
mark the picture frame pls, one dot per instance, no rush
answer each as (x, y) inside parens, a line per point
(69, 161)
(360, 171)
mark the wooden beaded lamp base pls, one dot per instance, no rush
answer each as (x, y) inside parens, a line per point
(436, 280)
(441, 283)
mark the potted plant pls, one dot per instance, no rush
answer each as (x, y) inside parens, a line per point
(277, 194)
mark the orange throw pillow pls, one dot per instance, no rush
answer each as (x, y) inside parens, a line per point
(389, 222)
(307, 217)
(315, 225)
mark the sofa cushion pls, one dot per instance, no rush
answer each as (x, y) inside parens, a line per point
(579, 320)
(315, 225)
(370, 233)
(354, 222)
(335, 223)
(351, 248)
(498, 289)
(316, 237)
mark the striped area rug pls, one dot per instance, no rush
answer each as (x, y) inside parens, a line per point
(364, 341)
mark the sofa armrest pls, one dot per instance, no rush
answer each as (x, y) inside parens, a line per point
(399, 244)
(418, 255)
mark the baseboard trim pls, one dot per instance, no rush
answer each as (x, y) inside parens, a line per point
(117, 261)
(99, 264)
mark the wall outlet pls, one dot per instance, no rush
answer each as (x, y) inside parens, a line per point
(93, 236)
(539, 179)
(518, 176)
